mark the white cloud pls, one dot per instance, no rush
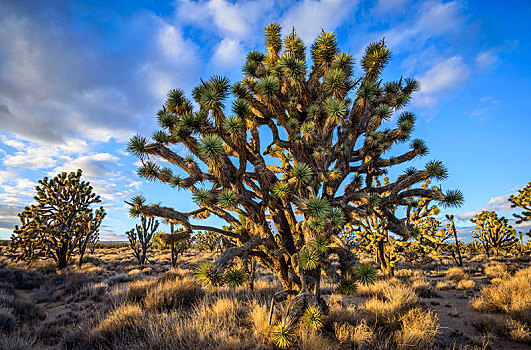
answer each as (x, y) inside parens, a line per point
(487, 59)
(442, 77)
(238, 20)
(309, 16)
(229, 54)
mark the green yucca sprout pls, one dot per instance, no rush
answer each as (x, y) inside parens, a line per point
(160, 137)
(320, 242)
(267, 86)
(175, 181)
(337, 217)
(273, 40)
(166, 120)
(317, 225)
(373, 200)
(436, 169)
(294, 46)
(283, 334)
(453, 198)
(375, 58)
(383, 111)
(291, 67)
(368, 90)
(313, 111)
(240, 108)
(148, 170)
(233, 124)
(166, 172)
(318, 207)
(335, 82)
(207, 273)
(211, 147)
(281, 189)
(200, 196)
(309, 258)
(210, 98)
(325, 48)
(138, 200)
(308, 128)
(366, 274)
(137, 145)
(292, 124)
(345, 62)
(175, 99)
(313, 318)
(410, 170)
(335, 109)
(347, 285)
(227, 198)
(234, 277)
(239, 90)
(301, 172)
(221, 84)
(392, 87)
(181, 133)
(250, 68)
(419, 146)
(255, 56)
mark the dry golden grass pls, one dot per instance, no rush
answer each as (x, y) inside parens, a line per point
(517, 331)
(455, 274)
(511, 296)
(395, 300)
(466, 284)
(259, 317)
(126, 320)
(172, 294)
(495, 270)
(444, 285)
(418, 329)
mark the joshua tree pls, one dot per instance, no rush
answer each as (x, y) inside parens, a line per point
(207, 240)
(522, 200)
(326, 145)
(493, 232)
(423, 235)
(455, 251)
(141, 237)
(61, 223)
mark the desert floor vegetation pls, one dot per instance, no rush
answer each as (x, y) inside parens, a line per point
(109, 303)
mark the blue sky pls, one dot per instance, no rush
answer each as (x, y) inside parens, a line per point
(78, 78)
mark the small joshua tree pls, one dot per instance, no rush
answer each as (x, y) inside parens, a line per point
(522, 200)
(326, 146)
(493, 232)
(62, 222)
(455, 251)
(141, 237)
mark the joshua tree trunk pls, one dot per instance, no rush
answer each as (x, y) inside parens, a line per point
(385, 264)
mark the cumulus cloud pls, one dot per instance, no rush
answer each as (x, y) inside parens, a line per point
(309, 16)
(487, 59)
(442, 77)
(228, 55)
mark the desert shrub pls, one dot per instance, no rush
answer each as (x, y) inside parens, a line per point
(466, 284)
(397, 299)
(495, 269)
(361, 334)
(444, 285)
(16, 342)
(21, 278)
(423, 288)
(517, 331)
(28, 312)
(418, 329)
(172, 294)
(512, 296)
(311, 340)
(8, 321)
(455, 274)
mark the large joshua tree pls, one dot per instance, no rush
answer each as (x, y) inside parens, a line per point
(61, 223)
(302, 144)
